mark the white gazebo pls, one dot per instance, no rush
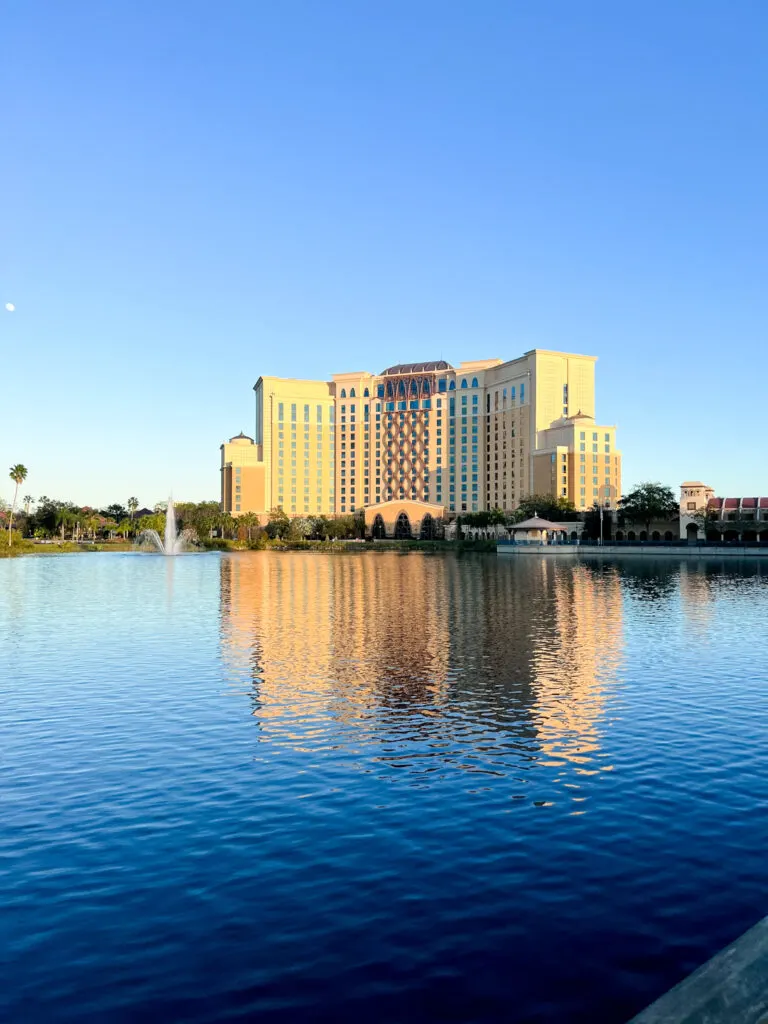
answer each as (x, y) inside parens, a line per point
(537, 531)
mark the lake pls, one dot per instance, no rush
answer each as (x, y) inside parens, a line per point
(375, 787)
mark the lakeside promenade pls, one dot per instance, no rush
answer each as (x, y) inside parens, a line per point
(731, 987)
(668, 550)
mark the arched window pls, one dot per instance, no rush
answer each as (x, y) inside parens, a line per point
(403, 527)
(669, 535)
(452, 386)
(442, 384)
(401, 389)
(655, 535)
(425, 388)
(343, 392)
(390, 390)
(378, 532)
(631, 535)
(351, 392)
(474, 382)
(427, 527)
(366, 393)
(414, 388)
(464, 382)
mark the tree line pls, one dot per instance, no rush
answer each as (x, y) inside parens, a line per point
(47, 518)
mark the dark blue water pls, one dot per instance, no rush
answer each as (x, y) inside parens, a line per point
(375, 787)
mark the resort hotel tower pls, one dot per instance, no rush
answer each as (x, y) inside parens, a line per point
(483, 435)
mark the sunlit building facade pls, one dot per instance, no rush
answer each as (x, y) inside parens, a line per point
(482, 435)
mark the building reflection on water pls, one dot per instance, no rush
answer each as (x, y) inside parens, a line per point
(487, 658)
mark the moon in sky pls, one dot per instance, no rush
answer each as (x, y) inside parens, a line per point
(10, 307)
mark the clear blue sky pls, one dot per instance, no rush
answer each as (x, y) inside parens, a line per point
(194, 194)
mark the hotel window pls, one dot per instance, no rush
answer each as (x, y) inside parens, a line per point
(607, 447)
(582, 447)
(594, 437)
(306, 414)
(293, 413)
(582, 436)
(280, 410)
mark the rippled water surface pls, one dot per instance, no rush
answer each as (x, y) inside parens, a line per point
(375, 787)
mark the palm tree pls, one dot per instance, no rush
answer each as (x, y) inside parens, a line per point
(27, 501)
(133, 504)
(249, 520)
(18, 474)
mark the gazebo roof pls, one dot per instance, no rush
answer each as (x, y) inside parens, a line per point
(538, 524)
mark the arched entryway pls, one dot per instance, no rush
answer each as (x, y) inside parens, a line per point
(428, 531)
(643, 535)
(631, 535)
(656, 535)
(669, 536)
(403, 527)
(619, 535)
(691, 533)
(377, 530)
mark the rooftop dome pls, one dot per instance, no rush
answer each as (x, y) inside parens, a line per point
(436, 364)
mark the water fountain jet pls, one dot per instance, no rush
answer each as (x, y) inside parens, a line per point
(173, 542)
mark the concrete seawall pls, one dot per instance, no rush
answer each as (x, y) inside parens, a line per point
(634, 551)
(731, 988)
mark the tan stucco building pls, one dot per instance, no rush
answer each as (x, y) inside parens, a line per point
(731, 519)
(482, 435)
(242, 476)
(403, 519)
